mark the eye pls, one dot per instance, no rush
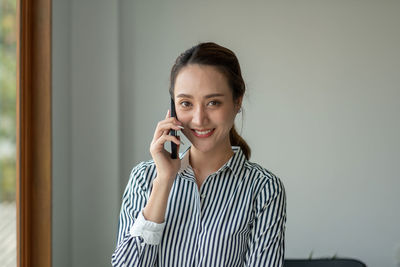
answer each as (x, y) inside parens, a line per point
(185, 104)
(214, 103)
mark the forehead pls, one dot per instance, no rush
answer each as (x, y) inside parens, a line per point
(199, 80)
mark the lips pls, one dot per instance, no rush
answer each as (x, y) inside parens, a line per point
(203, 133)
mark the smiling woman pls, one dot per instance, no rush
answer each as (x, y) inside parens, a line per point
(211, 206)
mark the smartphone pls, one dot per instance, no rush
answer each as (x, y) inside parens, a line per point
(174, 147)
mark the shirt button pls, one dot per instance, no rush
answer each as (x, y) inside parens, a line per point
(203, 195)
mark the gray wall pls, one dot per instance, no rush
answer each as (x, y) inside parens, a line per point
(86, 132)
(61, 131)
(323, 80)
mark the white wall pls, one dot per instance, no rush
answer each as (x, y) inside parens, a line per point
(323, 80)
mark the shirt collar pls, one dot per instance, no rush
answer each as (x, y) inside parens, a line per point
(184, 160)
(235, 163)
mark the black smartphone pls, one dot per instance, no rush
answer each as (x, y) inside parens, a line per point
(174, 147)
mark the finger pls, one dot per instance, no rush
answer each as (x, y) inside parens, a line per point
(160, 143)
(165, 138)
(164, 127)
(160, 129)
(169, 118)
(171, 123)
(172, 120)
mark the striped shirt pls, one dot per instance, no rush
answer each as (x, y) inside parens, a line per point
(237, 218)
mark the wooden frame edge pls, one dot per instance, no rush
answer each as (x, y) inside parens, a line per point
(34, 138)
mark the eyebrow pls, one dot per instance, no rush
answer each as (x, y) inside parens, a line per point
(207, 96)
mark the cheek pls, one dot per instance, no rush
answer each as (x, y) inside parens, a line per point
(225, 121)
(227, 117)
(183, 117)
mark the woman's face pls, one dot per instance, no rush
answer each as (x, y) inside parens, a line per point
(204, 104)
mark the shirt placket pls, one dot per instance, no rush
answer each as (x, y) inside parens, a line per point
(202, 198)
(189, 174)
(200, 202)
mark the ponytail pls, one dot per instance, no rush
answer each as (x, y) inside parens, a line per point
(237, 140)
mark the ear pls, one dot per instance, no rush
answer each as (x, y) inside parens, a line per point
(238, 103)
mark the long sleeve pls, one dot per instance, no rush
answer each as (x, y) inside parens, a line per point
(138, 239)
(266, 244)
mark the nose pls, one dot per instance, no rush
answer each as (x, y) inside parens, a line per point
(199, 116)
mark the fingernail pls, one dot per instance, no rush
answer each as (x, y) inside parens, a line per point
(181, 127)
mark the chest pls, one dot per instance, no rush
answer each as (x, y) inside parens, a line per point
(215, 216)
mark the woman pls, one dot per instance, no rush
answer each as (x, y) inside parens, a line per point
(211, 206)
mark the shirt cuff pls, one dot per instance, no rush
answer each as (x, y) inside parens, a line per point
(151, 232)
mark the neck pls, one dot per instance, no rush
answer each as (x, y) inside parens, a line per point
(209, 161)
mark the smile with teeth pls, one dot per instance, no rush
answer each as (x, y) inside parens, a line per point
(203, 133)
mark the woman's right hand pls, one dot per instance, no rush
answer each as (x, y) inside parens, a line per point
(167, 167)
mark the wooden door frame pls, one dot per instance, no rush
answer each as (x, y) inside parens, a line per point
(34, 157)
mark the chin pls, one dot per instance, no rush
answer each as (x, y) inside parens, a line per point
(206, 147)
(203, 146)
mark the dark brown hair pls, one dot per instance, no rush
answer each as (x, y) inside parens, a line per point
(226, 62)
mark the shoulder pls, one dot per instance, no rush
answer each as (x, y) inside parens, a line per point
(142, 174)
(265, 182)
(142, 167)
